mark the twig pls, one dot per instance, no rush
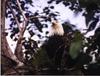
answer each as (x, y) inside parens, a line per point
(34, 17)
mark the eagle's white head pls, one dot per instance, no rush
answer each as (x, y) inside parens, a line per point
(56, 29)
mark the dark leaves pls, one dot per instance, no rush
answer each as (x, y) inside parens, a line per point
(45, 25)
(46, 10)
(30, 44)
(52, 7)
(14, 31)
(66, 3)
(39, 35)
(22, 5)
(83, 59)
(27, 15)
(97, 34)
(38, 24)
(31, 33)
(15, 39)
(91, 6)
(47, 32)
(58, 1)
(49, 2)
(29, 2)
(36, 14)
(93, 24)
(52, 15)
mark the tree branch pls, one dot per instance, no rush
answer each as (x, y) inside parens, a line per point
(18, 50)
(13, 13)
(35, 17)
(19, 6)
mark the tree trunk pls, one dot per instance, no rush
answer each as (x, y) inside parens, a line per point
(18, 51)
(5, 49)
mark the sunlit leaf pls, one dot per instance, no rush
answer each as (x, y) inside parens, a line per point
(76, 45)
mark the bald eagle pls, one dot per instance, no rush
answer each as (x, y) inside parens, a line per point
(54, 45)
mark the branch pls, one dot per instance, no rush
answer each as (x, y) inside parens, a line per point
(34, 17)
(19, 6)
(14, 15)
(18, 50)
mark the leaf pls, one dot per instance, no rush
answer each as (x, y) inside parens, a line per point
(41, 58)
(76, 45)
(93, 24)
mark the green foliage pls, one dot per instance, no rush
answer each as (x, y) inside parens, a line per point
(40, 58)
(86, 2)
(76, 45)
